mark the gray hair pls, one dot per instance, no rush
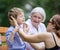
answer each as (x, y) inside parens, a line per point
(41, 11)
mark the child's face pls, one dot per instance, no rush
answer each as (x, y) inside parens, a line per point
(20, 19)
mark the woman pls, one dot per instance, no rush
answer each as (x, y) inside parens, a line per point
(51, 39)
(36, 25)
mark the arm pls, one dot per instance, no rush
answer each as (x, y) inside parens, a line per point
(37, 46)
(32, 38)
(11, 37)
(12, 33)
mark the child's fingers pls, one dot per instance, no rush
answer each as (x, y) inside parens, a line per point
(10, 20)
(14, 20)
(25, 24)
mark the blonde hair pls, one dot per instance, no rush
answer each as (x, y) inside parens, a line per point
(14, 12)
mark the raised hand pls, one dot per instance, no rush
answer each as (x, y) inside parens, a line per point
(15, 23)
(25, 27)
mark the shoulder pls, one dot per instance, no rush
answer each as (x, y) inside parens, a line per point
(46, 34)
(28, 21)
(42, 24)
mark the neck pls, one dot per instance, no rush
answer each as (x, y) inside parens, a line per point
(36, 27)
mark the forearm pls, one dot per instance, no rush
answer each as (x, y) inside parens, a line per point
(22, 34)
(12, 35)
(29, 38)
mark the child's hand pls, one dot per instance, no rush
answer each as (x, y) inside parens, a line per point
(15, 23)
(25, 27)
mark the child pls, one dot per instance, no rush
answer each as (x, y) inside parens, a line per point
(13, 39)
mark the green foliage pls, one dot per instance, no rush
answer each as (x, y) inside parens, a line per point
(5, 6)
(51, 7)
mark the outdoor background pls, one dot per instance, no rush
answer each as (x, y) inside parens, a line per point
(51, 7)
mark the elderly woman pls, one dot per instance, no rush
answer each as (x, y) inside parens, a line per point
(37, 16)
(51, 39)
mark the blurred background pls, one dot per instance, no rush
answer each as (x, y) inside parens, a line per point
(51, 7)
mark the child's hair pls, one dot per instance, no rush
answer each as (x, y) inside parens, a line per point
(14, 12)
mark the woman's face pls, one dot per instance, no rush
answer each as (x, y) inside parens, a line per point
(20, 19)
(51, 26)
(36, 18)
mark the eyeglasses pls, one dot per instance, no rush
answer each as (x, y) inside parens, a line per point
(52, 21)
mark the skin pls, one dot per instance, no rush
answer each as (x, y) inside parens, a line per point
(50, 27)
(35, 23)
(36, 18)
(43, 37)
(20, 19)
